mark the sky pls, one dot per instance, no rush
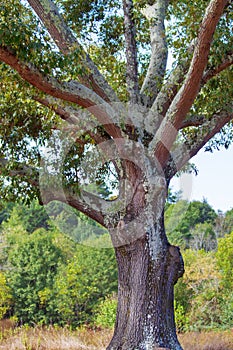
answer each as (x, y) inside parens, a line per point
(214, 181)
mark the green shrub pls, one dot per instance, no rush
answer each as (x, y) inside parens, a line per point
(5, 296)
(105, 315)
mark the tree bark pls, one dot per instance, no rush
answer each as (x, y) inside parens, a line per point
(145, 315)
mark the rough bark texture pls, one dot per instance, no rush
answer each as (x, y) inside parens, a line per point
(145, 317)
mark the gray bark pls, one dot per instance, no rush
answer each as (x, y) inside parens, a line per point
(145, 316)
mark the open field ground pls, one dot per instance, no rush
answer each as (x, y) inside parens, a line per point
(51, 338)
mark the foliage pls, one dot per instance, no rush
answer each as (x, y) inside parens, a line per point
(73, 223)
(5, 296)
(79, 286)
(34, 261)
(186, 221)
(31, 217)
(105, 315)
(203, 237)
(225, 260)
(203, 296)
(228, 222)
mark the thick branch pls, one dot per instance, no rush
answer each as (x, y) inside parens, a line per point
(31, 175)
(185, 97)
(69, 91)
(156, 15)
(167, 94)
(183, 153)
(188, 92)
(75, 201)
(131, 51)
(49, 14)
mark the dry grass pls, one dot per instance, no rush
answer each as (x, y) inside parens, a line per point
(207, 340)
(39, 338)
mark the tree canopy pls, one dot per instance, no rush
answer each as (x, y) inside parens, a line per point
(50, 53)
(93, 115)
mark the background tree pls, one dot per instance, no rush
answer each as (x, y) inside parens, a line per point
(184, 220)
(82, 284)
(132, 120)
(34, 262)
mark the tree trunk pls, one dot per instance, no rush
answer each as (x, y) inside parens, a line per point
(145, 315)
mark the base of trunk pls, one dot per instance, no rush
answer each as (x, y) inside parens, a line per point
(145, 315)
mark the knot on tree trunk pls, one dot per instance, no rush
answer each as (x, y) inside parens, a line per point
(176, 263)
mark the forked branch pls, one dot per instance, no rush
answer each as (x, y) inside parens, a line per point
(79, 121)
(185, 97)
(184, 152)
(49, 14)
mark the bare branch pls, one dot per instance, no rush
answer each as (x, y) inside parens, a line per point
(210, 73)
(156, 15)
(49, 14)
(131, 51)
(184, 152)
(184, 99)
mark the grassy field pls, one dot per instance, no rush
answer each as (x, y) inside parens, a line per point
(38, 338)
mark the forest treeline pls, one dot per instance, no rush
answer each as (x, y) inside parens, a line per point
(57, 267)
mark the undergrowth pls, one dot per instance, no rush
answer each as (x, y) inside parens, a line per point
(55, 338)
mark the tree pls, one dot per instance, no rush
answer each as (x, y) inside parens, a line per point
(34, 261)
(182, 220)
(228, 222)
(101, 67)
(30, 217)
(90, 276)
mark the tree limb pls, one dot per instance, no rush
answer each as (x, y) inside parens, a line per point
(156, 15)
(131, 51)
(79, 202)
(212, 72)
(184, 98)
(73, 116)
(49, 14)
(170, 88)
(75, 201)
(184, 152)
(71, 91)
(166, 95)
